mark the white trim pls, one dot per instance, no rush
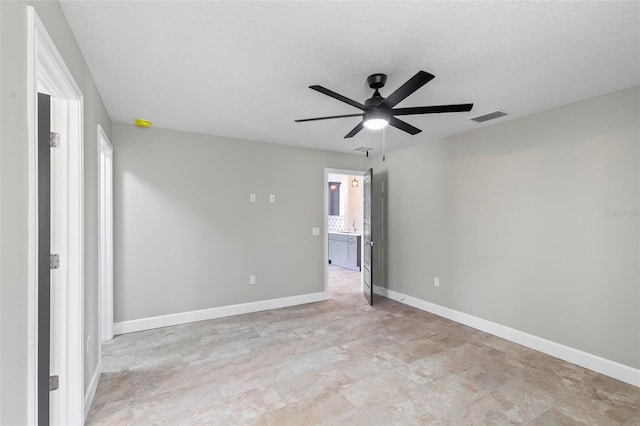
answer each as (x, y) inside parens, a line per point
(105, 236)
(325, 236)
(1, 350)
(45, 65)
(91, 392)
(75, 268)
(219, 312)
(32, 221)
(604, 366)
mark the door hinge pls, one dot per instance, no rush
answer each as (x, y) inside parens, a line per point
(54, 383)
(54, 261)
(54, 139)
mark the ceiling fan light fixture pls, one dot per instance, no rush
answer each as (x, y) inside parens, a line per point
(376, 120)
(376, 123)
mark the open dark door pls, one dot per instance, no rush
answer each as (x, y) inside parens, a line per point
(44, 250)
(367, 262)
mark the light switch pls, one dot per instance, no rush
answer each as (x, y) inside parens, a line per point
(272, 198)
(252, 198)
(315, 231)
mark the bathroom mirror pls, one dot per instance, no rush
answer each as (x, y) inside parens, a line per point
(334, 199)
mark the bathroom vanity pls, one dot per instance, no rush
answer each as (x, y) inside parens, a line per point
(344, 249)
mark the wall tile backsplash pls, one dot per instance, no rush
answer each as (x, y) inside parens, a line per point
(336, 223)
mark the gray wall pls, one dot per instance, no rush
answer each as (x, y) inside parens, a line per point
(186, 236)
(13, 195)
(516, 221)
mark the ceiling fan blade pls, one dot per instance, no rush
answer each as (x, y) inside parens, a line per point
(338, 96)
(355, 130)
(399, 124)
(432, 109)
(327, 118)
(413, 84)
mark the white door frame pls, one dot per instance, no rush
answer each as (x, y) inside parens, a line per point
(105, 246)
(46, 68)
(327, 172)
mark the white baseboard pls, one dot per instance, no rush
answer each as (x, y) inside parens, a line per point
(604, 366)
(91, 392)
(212, 313)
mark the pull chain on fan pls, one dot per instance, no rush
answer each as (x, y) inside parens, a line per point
(384, 151)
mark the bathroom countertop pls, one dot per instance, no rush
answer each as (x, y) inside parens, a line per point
(355, 234)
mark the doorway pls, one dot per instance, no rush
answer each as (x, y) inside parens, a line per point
(343, 213)
(55, 166)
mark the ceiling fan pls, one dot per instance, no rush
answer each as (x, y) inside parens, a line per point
(377, 111)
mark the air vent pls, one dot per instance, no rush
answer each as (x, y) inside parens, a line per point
(489, 116)
(364, 149)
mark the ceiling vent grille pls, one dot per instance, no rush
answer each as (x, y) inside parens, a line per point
(489, 116)
(364, 149)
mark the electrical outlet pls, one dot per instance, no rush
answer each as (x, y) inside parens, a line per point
(315, 231)
(436, 281)
(252, 279)
(252, 198)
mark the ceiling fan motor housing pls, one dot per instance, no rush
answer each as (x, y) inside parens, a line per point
(374, 101)
(374, 107)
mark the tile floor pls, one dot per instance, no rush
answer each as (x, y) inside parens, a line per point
(344, 362)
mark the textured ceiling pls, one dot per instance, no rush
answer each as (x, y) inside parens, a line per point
(241, 69)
